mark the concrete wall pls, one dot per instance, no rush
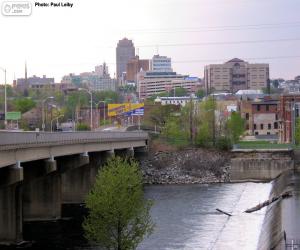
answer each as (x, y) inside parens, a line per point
(259, 166)
(10, 214)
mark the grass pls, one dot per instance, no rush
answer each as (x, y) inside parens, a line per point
(261, 145)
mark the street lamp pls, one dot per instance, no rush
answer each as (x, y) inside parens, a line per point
(5, 99)
(91, 94)
(43, 111)
(56, 118)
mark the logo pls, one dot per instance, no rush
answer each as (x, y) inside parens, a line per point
(16, 8)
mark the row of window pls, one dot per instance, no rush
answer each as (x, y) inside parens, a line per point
(275, 126)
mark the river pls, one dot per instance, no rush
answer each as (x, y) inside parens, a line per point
(185, 218)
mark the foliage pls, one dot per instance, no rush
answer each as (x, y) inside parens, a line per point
(174, 133)
(82, 127)
(180, 91)
(297, 131)
(160, 114)
(24, 104)
(235, 126)
(200, 93)
(107, 96)
(206, 128)
(223, 143)
(119, 215)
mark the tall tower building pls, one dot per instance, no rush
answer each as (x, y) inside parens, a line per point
(124, 52)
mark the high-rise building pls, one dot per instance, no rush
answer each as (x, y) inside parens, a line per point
(134, 66)
(124, 52)
(161, 64)
(235, 75)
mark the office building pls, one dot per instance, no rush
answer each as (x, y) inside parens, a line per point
(235, 75)
(152, 83)
(134, 66)
(161, 64)
(36, 82)
(124, 52)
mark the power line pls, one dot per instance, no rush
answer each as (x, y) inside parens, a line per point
(218, 28)
(213, 43)
(221, 43)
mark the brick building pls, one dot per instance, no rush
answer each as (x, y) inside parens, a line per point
(261, 116)
(134, 66)
(288, 113)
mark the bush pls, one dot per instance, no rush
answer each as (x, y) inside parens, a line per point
(223, 143)
(82, 127)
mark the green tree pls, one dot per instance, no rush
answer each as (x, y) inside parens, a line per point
(200, 93)
(24, 104)
(297, 131)
(119, 215)
(235, 126)
(179, 92)
(82, 127)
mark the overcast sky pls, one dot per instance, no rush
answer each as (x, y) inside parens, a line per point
(58, 41)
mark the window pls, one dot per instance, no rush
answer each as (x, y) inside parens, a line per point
(247, 116)
(256, 133)
(254, 126)
(268, 133)
(261, 126)
(275, 125)
(267, 107)
(257, 107)
(269, 126)
(247, 126)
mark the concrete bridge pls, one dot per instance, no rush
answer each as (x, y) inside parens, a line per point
(41, 171)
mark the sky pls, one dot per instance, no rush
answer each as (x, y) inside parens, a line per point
(58, 41)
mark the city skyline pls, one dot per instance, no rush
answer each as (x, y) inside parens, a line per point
(203, 34)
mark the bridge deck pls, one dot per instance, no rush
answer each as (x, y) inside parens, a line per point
(19, 140)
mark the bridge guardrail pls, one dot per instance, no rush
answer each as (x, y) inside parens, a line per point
(15, 140)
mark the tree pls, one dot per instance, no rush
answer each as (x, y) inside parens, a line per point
(179, 92)
(297, 131)
(235, 126)
(24, 104)
(200, 93)
(119, 215)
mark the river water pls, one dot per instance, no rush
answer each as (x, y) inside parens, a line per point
(185, 218)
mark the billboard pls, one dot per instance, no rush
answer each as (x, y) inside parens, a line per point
(13, 116)
(125, 109)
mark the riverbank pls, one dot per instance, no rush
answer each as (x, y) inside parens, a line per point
(185, 166)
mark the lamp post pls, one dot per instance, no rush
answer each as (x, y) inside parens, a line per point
(43, 111)
(91, 94)
(56, 118)
(5, 97)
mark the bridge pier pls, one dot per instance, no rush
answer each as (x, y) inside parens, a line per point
(41, 191)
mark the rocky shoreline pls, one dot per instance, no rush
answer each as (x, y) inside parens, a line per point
(188, 166)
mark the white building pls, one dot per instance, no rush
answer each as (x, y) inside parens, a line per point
(152, 83)
(161, 64)
(182, 100)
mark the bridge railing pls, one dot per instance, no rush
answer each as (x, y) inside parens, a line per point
(11, 140)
